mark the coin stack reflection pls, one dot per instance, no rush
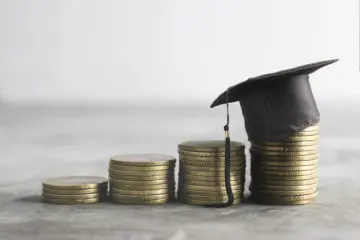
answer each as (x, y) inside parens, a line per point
(202, 172)
(285, 173)
(142, 178)
(74, 190)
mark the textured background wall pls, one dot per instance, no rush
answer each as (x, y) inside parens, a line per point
(167, 49)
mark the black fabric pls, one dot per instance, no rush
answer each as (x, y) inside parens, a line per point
(276, 105)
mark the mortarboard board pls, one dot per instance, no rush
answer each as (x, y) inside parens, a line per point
(276, 105)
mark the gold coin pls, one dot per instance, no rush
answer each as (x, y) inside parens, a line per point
(74, 182)
(141, 173)
(142, 187)
(125, 168)
(284, 188)
(215, 155)
(281, 182)
(71, 201)
(207, 198)
(141, 198)
(256, 191)
(301, 138)
(141, 202)
(210, 184)
(280, 164)
(311, 128)
(210, 188)
(234, 159)
(306, 133)
(283, 173)
(71, 197)
(74, 192)
(139, 177)
(206, 202)
(261, 148)
(287, 144)
(139, 193)
(211, 174)
(284, 169)
(212, 146)
(186, 192)
(280, 198)
(282, 202)
(211, 164)
(189, 178)
(284, 178)
(143, 160)
(285, 154)
(149, 183)
(209, 169)
(259, 156)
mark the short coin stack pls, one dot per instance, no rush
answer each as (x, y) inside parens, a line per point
(285, 173)
(202, 172)
(142, 178)
(74, 190)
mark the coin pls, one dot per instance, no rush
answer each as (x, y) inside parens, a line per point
(279, 164)
(209, 169)
(210, 184)
(143, 160)
(146, 183)
(301, 138)
(74, 192)
(211, 178)
(187, 192)
(74, 182)
(210, 164)
(209, 146)
(284, 169)
(284, 188)
(216, 155)
(235, 173)
(256, 191)
(306, 133)
(142, 187)
(71, 201)
(140, 202)
(284, 198)
(139, 193)
(285, 154)
(206, 202)
(261, 148)
(210, 188)
(287, 144)
(285, 178)
(140, 178)
(311, 128)
(207, 198)
(141, 173)
(282, 202)
(283, 173)
(282, 182)
(140, 198)
(240, 159)
(259, 156)
(71, 197)
(125, 168)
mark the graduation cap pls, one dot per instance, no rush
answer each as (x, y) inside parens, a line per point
(276, 105)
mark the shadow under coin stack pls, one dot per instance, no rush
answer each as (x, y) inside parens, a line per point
(202, 172)
(142, 178)
(285, 173)
(75, 190)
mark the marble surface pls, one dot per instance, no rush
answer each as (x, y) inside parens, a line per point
(40, 141)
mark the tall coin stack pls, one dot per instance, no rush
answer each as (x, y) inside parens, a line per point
(202, 172)
(142, 178)
(285, 173)
(74, 190)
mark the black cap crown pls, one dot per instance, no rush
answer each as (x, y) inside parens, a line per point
(278, 104)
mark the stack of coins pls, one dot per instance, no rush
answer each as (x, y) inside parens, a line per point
(202, 172)
(285, 173)
(142, 178)
(75, 190)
